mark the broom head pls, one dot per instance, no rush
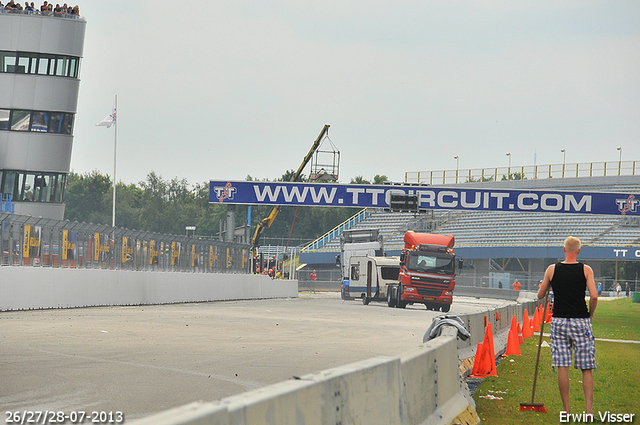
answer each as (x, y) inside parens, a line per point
(533, 407)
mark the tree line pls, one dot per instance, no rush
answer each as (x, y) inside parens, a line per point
(168, 206)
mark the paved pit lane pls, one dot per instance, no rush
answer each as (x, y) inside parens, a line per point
(144, 359)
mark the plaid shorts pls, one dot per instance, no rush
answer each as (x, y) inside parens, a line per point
(576, 335)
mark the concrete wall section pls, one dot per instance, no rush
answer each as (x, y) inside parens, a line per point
(432, 370)
(23, 288)
(365, 392)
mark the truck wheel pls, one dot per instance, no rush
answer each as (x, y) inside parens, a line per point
(391, 301)
(365, 300)
(446, 308)
(399, 302)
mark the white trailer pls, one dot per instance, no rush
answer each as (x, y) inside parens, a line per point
(359, 242)
(369, 278)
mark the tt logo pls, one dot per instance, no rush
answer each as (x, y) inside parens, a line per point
(628, 205)
(225, 192)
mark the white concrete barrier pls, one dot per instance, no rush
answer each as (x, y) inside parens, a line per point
(23, 288)
(419, 387)
(424, 386)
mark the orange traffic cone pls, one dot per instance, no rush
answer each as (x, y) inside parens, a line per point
(513, 347)
(535, 323)
(476, 360)
(549, 314)
(520, 338)
(526, 326)
(487, 360)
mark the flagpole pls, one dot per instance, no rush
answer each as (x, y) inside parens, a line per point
(115, 144)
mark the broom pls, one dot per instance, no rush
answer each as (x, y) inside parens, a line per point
(536, 407)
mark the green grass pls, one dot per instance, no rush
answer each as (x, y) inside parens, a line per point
(618, 319)
(616, 386)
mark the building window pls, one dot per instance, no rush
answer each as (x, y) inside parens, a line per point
(33, 187)
(20, 120)
(4, 119)
(39, 64)
(38, 121)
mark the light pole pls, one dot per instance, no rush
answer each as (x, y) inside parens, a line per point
(564, 160)
(509, 169)
(457, 163)
(619, 148)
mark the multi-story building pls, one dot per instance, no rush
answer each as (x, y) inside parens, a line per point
(40, 59)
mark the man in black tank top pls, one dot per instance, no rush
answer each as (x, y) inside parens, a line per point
(571, 331)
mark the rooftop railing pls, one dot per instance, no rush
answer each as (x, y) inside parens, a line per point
(39, 13)
(588, 169)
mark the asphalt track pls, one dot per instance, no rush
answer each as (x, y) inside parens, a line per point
(144, 359)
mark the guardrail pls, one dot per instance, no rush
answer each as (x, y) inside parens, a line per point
(588, 169)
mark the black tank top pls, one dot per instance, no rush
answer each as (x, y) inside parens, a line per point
(569, 285)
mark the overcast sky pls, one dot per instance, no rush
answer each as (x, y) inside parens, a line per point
(225, 89)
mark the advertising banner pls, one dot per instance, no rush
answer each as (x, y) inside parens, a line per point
(195, 254)
(213, 251)
(25, 242)
(175, 253)
(96, 247)
(428, 197)
(69, 242)
(127, 250)
(65, 244)
(153, 252)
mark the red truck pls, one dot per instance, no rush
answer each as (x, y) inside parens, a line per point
(427, 272)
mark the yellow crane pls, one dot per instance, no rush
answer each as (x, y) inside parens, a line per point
(268, 220)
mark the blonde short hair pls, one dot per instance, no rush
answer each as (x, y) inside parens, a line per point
(572, 244)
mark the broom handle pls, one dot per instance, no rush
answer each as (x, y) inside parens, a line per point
(535, 375)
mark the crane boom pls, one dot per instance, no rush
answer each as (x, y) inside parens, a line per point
(268, 220)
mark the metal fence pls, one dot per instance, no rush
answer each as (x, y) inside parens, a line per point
(41, 242)
(549, 171)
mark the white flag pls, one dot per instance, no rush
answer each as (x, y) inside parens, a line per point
(111, 119)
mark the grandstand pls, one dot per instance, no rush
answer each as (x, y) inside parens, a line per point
(521, 244)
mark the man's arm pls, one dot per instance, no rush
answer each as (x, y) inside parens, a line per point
(544, 286)
(593, 291)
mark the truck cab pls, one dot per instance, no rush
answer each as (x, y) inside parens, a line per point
(427, 272)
